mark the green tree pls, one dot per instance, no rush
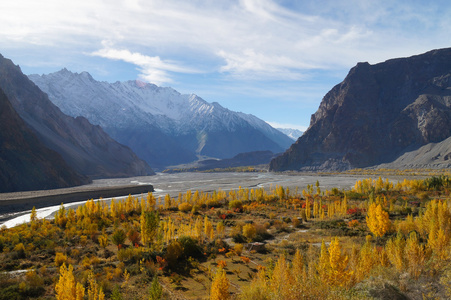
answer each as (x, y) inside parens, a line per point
(118, 237)
(155, 291)
(149, 226)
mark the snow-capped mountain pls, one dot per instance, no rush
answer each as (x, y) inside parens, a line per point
(292, 133)
(161, 125)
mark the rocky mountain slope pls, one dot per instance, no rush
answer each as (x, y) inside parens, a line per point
(377, 114)
(85, 148)
(161, 125)
(26, 164)
(430, 156)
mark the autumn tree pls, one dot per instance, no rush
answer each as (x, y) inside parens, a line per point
(149, 226)
(155, 291)
(220, 286)
(33, 215)
(67, 288)
(118, 237)
(94, 291)
(339, 274)
(395, 251)
(415, 255)
(377, 220)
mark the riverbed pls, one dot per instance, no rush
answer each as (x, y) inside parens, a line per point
(173, 184)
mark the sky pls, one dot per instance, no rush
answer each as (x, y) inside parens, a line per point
(275, 59)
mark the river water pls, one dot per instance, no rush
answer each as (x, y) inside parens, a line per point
(173, 184)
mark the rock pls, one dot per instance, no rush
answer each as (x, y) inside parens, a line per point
(376, 114)
(26, 164)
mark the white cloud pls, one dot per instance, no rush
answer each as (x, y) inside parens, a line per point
(249, 39)
(153, 69)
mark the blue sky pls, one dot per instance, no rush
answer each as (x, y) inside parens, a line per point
(275, 59)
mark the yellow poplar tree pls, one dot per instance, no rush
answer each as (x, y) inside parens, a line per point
(415, 255)
(220, 229)
(208, 229)
(94, 291)
(395, 251)
(338, 262)
(33, 215)
(280, 280)
(220, 286)
(377, 220)
(324, 263)
(67, 288)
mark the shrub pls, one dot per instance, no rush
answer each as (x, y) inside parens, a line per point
(213, 203)
(19, 251)
(249, 231)
(236, 204)
(190, 247)
(132, 255)
(353, 223)
(185, 207)
(133, 236)
(238, 248)
(60, 259)
(173, 252)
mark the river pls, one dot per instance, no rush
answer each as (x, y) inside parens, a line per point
(173, 184)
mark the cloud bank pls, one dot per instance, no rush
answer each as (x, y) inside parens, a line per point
(247, 39)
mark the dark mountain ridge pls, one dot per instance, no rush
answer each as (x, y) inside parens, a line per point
(85, 148)
(376, 114)
(26, 164)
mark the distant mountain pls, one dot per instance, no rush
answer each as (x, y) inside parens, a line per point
(378, 113)
(293, 134)
(26, 164)
(255, 158)
(161, 125)
(85, 148)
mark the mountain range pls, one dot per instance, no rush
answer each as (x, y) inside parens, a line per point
(86, 149)
(292, 133)
(377, 114)
(159, 124)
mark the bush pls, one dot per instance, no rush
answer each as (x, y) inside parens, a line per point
(213, 203)
(249, 231)
(19, 251)
(437, 183)
(60, 259)
(131, 255)
(185, 207)
(190, 247)
(236, 204)
(173, 252)
(238, 249)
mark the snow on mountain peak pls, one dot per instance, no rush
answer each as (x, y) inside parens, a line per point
(139, 105)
